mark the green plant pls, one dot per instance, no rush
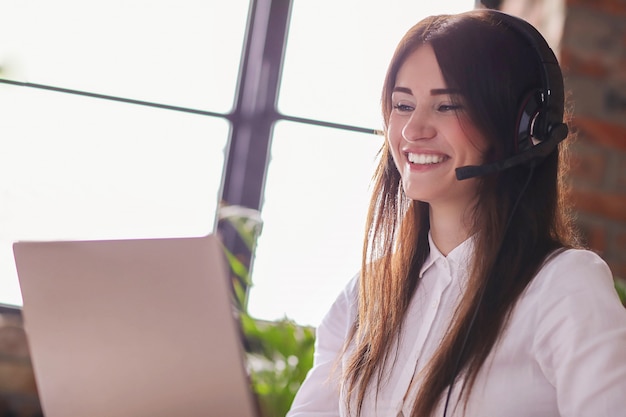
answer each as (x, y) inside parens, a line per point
(248, 225)
(279, 353)
(620, 286)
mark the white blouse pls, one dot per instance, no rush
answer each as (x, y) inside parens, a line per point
(562, 354)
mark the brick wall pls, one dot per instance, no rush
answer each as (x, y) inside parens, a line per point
(593, 55)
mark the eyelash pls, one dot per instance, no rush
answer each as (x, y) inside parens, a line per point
(448, 107)
(442, 108)
(402, 107)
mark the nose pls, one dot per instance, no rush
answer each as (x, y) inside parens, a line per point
(418, 126)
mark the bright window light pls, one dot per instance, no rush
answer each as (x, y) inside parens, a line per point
(316, 197)
(180, 52)
(81, 168)
(338, 52)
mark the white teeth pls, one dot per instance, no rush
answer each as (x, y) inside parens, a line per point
(425, 159)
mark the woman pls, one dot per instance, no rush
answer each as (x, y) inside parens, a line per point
(472, 299)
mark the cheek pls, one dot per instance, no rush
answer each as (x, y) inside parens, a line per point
(475, 139)
(395, 124)
(393, 146)
(394, 135)
(479, 147)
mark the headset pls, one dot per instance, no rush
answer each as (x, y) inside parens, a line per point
(540, 125)
(539, 130)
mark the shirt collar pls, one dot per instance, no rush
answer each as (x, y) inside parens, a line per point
(459, 256)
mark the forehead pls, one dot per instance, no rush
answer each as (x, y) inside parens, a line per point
(420, 70)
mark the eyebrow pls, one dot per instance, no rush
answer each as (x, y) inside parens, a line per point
(439, 91)
(433, 92)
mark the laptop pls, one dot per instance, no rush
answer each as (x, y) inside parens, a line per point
(133, 328)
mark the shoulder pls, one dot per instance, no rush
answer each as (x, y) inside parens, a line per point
(575, 258)
(348, 297)
(578, 332)
(571, 271)
(573, 295)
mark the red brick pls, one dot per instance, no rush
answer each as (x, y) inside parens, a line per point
(618, 268)
(607, 6)
(608, 205)
(600, 132)
(621, 178)
(593, 236)
(587, 66)
(620, 72)
(620, 244)
(587, 164)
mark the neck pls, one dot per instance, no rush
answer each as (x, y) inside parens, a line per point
(449, 227)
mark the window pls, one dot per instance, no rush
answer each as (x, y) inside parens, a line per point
(294, 140)
(316, 198)
(75, 167)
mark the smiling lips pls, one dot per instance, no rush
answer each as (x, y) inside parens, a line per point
(425, 159)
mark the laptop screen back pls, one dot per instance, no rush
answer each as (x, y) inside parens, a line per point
(139, 328)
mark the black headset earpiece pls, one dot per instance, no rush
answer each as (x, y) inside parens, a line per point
(540, 118)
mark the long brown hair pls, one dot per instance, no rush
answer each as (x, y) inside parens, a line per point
(493, 68)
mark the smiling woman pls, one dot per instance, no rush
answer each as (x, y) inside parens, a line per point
(468, 300)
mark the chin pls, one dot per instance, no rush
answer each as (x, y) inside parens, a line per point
(417, 197)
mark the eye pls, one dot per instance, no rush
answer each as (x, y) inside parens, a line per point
(403, 108)
(443, 108)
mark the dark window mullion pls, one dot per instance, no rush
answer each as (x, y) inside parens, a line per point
(254, 113)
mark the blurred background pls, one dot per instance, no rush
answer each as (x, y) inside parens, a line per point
(164, 113)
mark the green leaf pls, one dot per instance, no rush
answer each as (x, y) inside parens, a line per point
(620, 286)
(237, 267)
(280, 353)
(246, 221)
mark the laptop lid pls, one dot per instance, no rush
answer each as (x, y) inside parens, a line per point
(137, 328)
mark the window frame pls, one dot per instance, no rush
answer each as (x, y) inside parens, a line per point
(252, 117)
(256, 112)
